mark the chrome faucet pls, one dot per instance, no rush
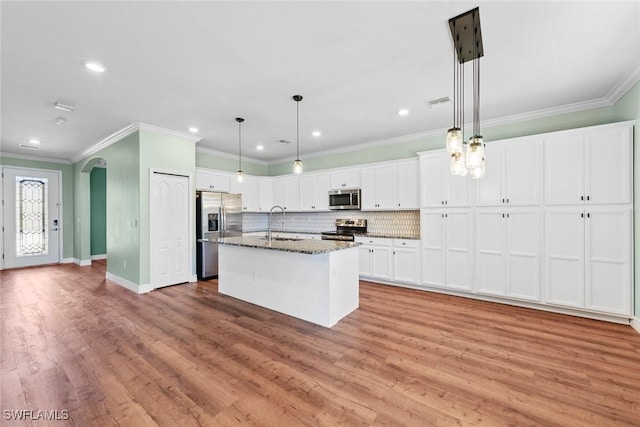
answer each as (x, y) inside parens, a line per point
(269, 229)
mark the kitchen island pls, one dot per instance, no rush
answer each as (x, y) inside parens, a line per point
(313, 280)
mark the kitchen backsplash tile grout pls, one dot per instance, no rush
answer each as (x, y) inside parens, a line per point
(392, 223)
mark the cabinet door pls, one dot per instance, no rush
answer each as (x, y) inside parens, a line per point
(280, 192)
(381, 263)
(365, 260)
(408, 185)
(212, 181)
(490, 189)
(457, 190)
(564, 256)
(522, 178)
(523, 231)
(432, 238)
(320, 192)
(405, 265)
(385, 187)
(369, 194)
(608, 259)
(608, 166)
(306, 192)
(248, 188)
(490, 252)
(265, 194)
(432, 169)
(563, 169)
(351, 178)
(458, 256)
(293, 195)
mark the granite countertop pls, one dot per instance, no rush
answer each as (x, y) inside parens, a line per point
(304, 246)
(386, 236)
(283, 231)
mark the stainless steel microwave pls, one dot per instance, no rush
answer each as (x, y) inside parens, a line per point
(344, 199)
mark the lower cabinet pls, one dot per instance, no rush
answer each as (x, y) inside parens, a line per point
(507, 255)
(447, 256)
(588, 258)
(375, 257)
(406, 261)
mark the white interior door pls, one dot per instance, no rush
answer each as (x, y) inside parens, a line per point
(32, 217)
(170, 235)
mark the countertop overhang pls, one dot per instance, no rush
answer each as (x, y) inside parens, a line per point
(303, 246)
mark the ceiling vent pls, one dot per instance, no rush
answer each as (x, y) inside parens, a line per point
(438, 102)
(28, 147)
(64, 106)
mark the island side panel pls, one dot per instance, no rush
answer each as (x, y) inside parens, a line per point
(288, 282)
(344, 291)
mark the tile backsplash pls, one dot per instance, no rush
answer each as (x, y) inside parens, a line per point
(393, 223)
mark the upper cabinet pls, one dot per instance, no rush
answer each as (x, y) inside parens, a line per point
(345, 178)
(408, 184)
(212, 180)
(249, 190)
(285, 192)
(588, 166)
(512, 173)
(378, 187)
(265, 193)
(438, 187)
(314, 192)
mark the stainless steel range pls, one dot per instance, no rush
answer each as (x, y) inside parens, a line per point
(346, 230)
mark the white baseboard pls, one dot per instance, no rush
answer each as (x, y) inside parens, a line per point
(635, 324)
(194, 278)
(81, 262)
(127, 284)
(100, 256)
(67, 261)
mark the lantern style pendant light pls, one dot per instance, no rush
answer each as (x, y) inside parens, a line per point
(467, 39)
(239, 174)
(297, 164)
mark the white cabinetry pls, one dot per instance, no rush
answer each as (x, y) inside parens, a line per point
(588, 258)
(508, 244)
(375, 257)
(285, 192)
(590, 166)
(212, 180)
(265, 194)
(406, 261)
(378, 187)
(249, 190)
(407, 184)
(438, 187)
(314, 192)
(447, 248)
(345, 178)
(513, 173)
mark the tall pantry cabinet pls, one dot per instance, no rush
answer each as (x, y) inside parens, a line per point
(550, 224)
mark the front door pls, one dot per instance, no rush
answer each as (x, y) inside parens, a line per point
(32, 217)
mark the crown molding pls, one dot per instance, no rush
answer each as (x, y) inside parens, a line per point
(224, 155)
(128, 130)
(35, 158)
(631, 78)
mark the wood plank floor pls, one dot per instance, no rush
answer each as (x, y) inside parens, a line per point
(187, 356)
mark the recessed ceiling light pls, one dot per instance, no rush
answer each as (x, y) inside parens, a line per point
(193, 130)
(64, 107)
(94, 66)
(34, 141)
(403, 112)
(259, 147)
(316, 133)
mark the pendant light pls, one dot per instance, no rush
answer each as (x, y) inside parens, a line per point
(297, 164)
(239, 174)
(467, 39)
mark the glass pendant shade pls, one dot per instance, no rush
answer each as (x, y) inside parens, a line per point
(477, 172)
(457, 164)
(297, 167)
(475, 152)
(240, 176)
(454, 140)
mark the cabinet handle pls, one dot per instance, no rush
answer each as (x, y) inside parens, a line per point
(442, 202)
(588, 197)
(588, 215)
(446, 215)
(507, 200)
(507, 215)
(502, 215)
(502, 200)
(582, 198)
(446, 201)
(398, 204)
(404, 243)
(582, 215)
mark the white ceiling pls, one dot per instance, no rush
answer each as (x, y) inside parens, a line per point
(180, 64)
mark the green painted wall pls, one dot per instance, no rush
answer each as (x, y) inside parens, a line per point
(628, 108)
(98, 194)
(67, 195)
(224, 164)
(168, 154)
(408, 149)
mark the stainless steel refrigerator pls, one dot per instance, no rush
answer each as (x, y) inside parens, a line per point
(217, 215)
